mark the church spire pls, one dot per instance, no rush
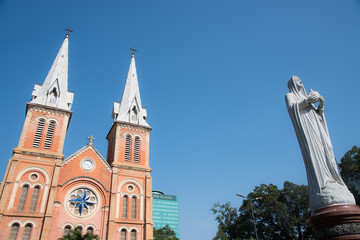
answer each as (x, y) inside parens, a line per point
(54, 91)
(130, 109)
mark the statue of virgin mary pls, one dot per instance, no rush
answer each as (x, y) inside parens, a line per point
(325, 184)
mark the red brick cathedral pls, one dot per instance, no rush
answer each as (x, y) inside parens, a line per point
(44, 195)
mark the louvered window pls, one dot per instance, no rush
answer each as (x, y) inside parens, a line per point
(133, 235)
(123, 235)
(27, 232)
(133, 207)
(128, 148)
(14, 231)
(49, 135)
(38, 133)
(23, 196)
(125, 207)
(34, 198)
(137, 149)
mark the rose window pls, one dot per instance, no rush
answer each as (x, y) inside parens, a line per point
(82, 202)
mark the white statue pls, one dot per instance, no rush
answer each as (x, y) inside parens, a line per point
(325, 184)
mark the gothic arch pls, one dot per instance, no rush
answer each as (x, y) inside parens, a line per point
(133, 181)
(15, 221)
(17, 183)
(30, 222)
(123, 227)
(119, 194)
(67, 224)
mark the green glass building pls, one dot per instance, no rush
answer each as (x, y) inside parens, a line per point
(165, 211)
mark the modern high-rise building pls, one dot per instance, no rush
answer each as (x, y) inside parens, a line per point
(165, 211)
(44, 194)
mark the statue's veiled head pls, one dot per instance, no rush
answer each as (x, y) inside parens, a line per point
(296, 86)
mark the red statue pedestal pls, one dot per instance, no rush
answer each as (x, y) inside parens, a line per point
(335, 222)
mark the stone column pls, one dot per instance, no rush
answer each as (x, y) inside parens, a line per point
(48, 219)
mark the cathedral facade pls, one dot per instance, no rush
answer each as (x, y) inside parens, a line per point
(44, 195)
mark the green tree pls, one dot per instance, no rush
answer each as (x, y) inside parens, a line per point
(279, 214)
(350, 170)
(165, 233)
(76, 235)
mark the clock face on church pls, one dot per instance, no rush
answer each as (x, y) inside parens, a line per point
(87, 164)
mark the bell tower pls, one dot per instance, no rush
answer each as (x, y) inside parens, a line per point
(128, 154)
(30, 182)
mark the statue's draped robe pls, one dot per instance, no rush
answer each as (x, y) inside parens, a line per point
(325, 184)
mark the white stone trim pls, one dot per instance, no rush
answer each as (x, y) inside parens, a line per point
(15, 221)
(135, 195)
(117, 205)
(123, 227)
(13, 194)
(53, 119)
(98, 196)
(26, 183)
(31, 222)
(16, 185)
(47, 177)
(80, 225)
(125, 194)
(37, 184)
(135, 182)
(134, 228)
(34, 173)
(141, 139)
(90, 159)
(67, 224)
(39, 117)
(90, 225)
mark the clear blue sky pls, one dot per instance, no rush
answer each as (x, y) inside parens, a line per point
(212, 74)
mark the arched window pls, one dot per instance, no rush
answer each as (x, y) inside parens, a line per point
(49, 135)
(67, 230)
(34, 198)
(90, 230)
(14, 231)
(137, 149)
(133, 235)
(27, 232)
(125, 206)
(38, 133)
(127, 148)
(53, 96)
(134, 115)
(23, 196)
(123, 235)
(133, 207)
(79, 229)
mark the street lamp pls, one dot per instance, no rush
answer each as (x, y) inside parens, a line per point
(252, 211)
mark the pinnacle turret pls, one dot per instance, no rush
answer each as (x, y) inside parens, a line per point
(129, 109)
(54, 91)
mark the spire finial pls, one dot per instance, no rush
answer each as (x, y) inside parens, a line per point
(134, 50)
(91, 139)
(68, 32)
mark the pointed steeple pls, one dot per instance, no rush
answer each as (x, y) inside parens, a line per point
(130, 109)
(54, 91)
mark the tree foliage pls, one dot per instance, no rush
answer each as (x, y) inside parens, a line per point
(279, 214)
(350, 170)
(76, 235)
(165, 233)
